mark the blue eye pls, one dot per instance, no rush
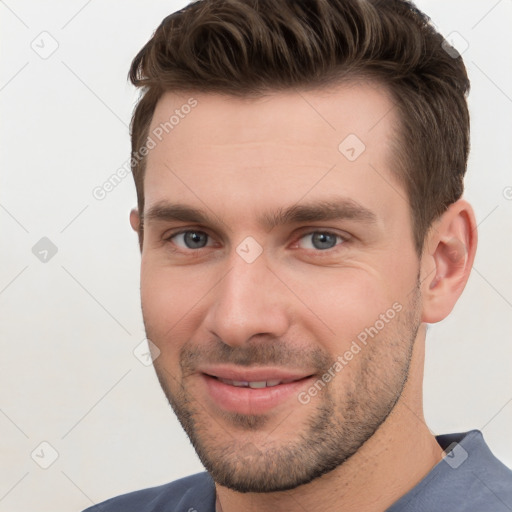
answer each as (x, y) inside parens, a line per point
(190, 239)
(320, 240)
(315, 240)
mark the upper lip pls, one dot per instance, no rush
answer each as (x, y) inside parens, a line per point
(258, 374)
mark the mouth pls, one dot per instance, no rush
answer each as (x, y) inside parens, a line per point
(253, 390)
(255, 384)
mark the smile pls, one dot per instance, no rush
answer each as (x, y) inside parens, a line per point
(252, 390)
(254, 384)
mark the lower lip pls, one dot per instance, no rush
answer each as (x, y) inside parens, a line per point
(245, 400)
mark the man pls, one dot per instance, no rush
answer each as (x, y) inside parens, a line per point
(299, 171)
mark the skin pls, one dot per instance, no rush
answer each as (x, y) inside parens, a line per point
(361, 442)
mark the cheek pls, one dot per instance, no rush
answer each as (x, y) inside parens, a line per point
(339, 303)
(171, 302)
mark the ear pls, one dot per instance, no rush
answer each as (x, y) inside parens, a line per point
(136, 224)
(447, 260)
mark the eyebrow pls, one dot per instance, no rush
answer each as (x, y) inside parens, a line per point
(323, 210)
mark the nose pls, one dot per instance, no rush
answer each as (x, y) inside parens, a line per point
(248, 301)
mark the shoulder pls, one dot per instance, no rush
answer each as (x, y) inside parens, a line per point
(478, 476)
(468, 479)
(190, 494)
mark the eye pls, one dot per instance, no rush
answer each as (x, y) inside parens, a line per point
(191, 239)
(320, 240)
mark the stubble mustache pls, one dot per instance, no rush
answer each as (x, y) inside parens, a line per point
(259, 352)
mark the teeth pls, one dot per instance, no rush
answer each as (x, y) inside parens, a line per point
(252, 385)
(237, 383)
(256, 385)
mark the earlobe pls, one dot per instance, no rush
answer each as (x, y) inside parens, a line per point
(447, 260)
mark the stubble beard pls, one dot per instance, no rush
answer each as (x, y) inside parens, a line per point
(334, 431)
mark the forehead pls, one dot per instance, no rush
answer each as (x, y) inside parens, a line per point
(226, 150)
(361, 108)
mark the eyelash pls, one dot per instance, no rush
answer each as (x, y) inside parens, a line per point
(344, 239)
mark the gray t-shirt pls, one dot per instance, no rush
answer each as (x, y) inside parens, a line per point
(469, 479)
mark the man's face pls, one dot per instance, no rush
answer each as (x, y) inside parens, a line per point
(286, 312)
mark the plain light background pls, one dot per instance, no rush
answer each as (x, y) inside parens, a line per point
(70, 325)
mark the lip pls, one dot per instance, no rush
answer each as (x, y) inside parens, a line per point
(245, 400)
(260, 373)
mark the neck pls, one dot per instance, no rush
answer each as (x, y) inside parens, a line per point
(396, 458)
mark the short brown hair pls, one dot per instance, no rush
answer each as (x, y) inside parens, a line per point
(253, 47)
